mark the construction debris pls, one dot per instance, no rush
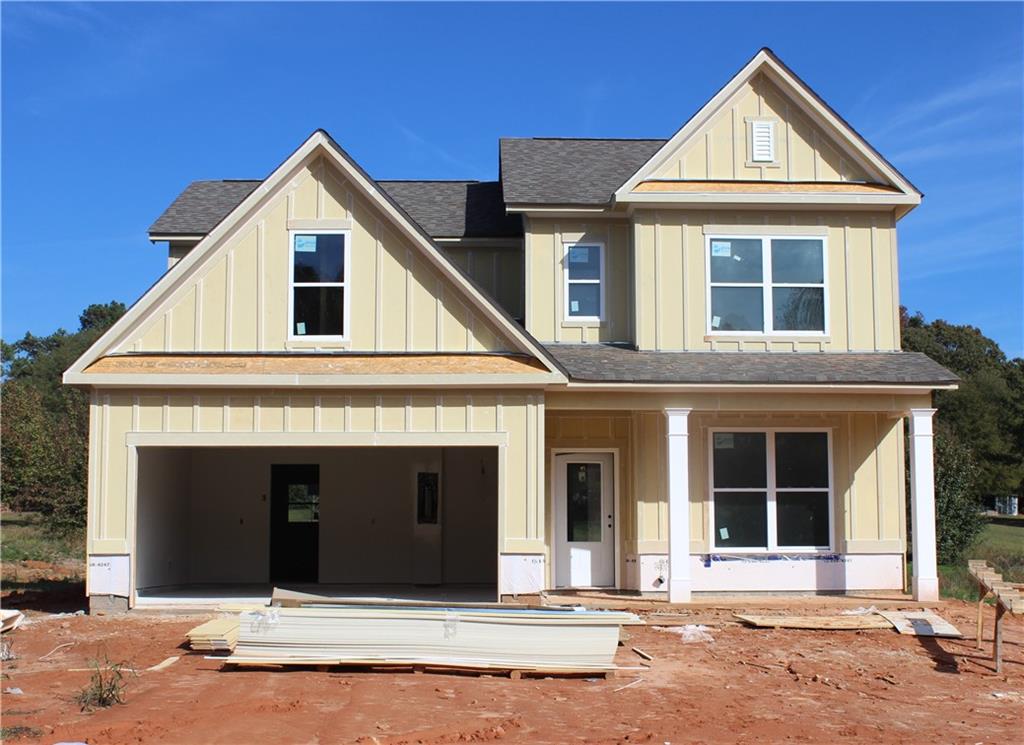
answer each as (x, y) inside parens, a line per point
(833, 623)
(642, 653)
(690, 633)
(920, 623)
(10, 619)
(507, 637)
(218, 635)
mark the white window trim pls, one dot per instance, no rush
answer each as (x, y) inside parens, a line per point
(566, 246)
(771, 491)
(346, 323)
(766, 285)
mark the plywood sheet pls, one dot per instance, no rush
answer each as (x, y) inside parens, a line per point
(921, 623)
(763, 187)
(834, 623)
(315, 364)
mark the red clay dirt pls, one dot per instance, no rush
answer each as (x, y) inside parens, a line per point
(747, 686)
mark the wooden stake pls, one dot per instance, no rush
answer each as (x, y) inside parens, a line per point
(982, 593)
(997, 644)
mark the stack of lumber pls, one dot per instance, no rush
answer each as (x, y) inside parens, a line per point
(462, 636)
(218, 635)
(1007, 598)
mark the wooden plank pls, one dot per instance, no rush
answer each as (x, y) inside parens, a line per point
(763, 187)
(295, 599)
(824, 623)
(642, 653)
(921, 623)
(316, 364)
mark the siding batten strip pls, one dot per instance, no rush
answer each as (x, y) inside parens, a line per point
(378, 291)
(197, 335)
(657, 281)
(846, 278)
(229, 282)
(260, 284)
(874, 283)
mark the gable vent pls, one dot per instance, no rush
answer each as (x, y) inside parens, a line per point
(762, 142)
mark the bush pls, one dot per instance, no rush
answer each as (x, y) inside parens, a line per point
(958, 516)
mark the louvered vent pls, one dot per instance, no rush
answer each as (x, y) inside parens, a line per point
(762, 142)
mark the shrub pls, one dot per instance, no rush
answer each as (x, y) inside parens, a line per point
(106, 685)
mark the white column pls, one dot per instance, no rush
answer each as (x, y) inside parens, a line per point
(678, 455)
(922, 501)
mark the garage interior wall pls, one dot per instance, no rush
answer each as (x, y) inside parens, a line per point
(204, 513)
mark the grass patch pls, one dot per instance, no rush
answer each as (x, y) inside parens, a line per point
(106, 684)
(26, 539)
(18, 731)
(1001, 544)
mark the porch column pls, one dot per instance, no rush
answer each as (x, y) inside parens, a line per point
(922, 499)
(678, 455)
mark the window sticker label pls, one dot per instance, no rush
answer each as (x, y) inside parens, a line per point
(721, 248)
(716, 321)
(724, 441)
(737, 258)
(300, 328)
(574, 306)
(723, 534)
(578, 255)
(305, 243)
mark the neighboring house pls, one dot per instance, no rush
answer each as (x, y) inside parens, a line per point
(665, 366)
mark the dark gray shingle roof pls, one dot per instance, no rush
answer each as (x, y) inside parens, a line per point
(203, 204)
(456, 209)
(610, 363)
(444, 209)
(569, 171)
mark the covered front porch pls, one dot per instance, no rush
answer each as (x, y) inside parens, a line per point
(736, 492)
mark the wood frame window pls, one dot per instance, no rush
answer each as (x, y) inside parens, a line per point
(771, 490)
(584, 286)
(319, 262)
(767, 285)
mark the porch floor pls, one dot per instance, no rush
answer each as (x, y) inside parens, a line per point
(211, 595)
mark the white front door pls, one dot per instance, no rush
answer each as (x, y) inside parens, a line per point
(584, 520)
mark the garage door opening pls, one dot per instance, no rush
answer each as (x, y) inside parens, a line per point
(230, 523)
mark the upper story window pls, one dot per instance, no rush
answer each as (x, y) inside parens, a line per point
(584, 281)
(766, 285)
(771, 490)
(318, 285)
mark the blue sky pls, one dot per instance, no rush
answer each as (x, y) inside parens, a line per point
(109, 110)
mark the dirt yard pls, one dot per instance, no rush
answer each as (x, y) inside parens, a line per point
(746, 686)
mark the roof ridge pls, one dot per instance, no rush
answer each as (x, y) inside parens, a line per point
(433, 181)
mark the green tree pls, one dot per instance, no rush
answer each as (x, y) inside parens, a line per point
(957, 509)
(45, 425)
(986, 412)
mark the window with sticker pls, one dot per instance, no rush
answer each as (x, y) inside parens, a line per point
(767, 285)
(584, 281)
(771, 490)
(318, 286)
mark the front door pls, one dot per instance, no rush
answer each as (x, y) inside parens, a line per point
(294, 523)
(584, 520)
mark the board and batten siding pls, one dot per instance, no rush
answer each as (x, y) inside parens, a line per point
(867, 459)
(117, 415)
(498, 270)
(237, 300)
(671, 279)
(545, 277)
(720, 151)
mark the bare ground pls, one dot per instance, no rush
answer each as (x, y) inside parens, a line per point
(747, 686)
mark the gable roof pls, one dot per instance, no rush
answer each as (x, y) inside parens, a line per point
(318, 144)
(444, 209)
(569, 171)
(768, 63)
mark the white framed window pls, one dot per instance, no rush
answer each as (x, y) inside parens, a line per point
(767, 285)
(771, 490)
(584, 281)
(318, 297)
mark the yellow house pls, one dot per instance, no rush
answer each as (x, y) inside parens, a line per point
(658, 366)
